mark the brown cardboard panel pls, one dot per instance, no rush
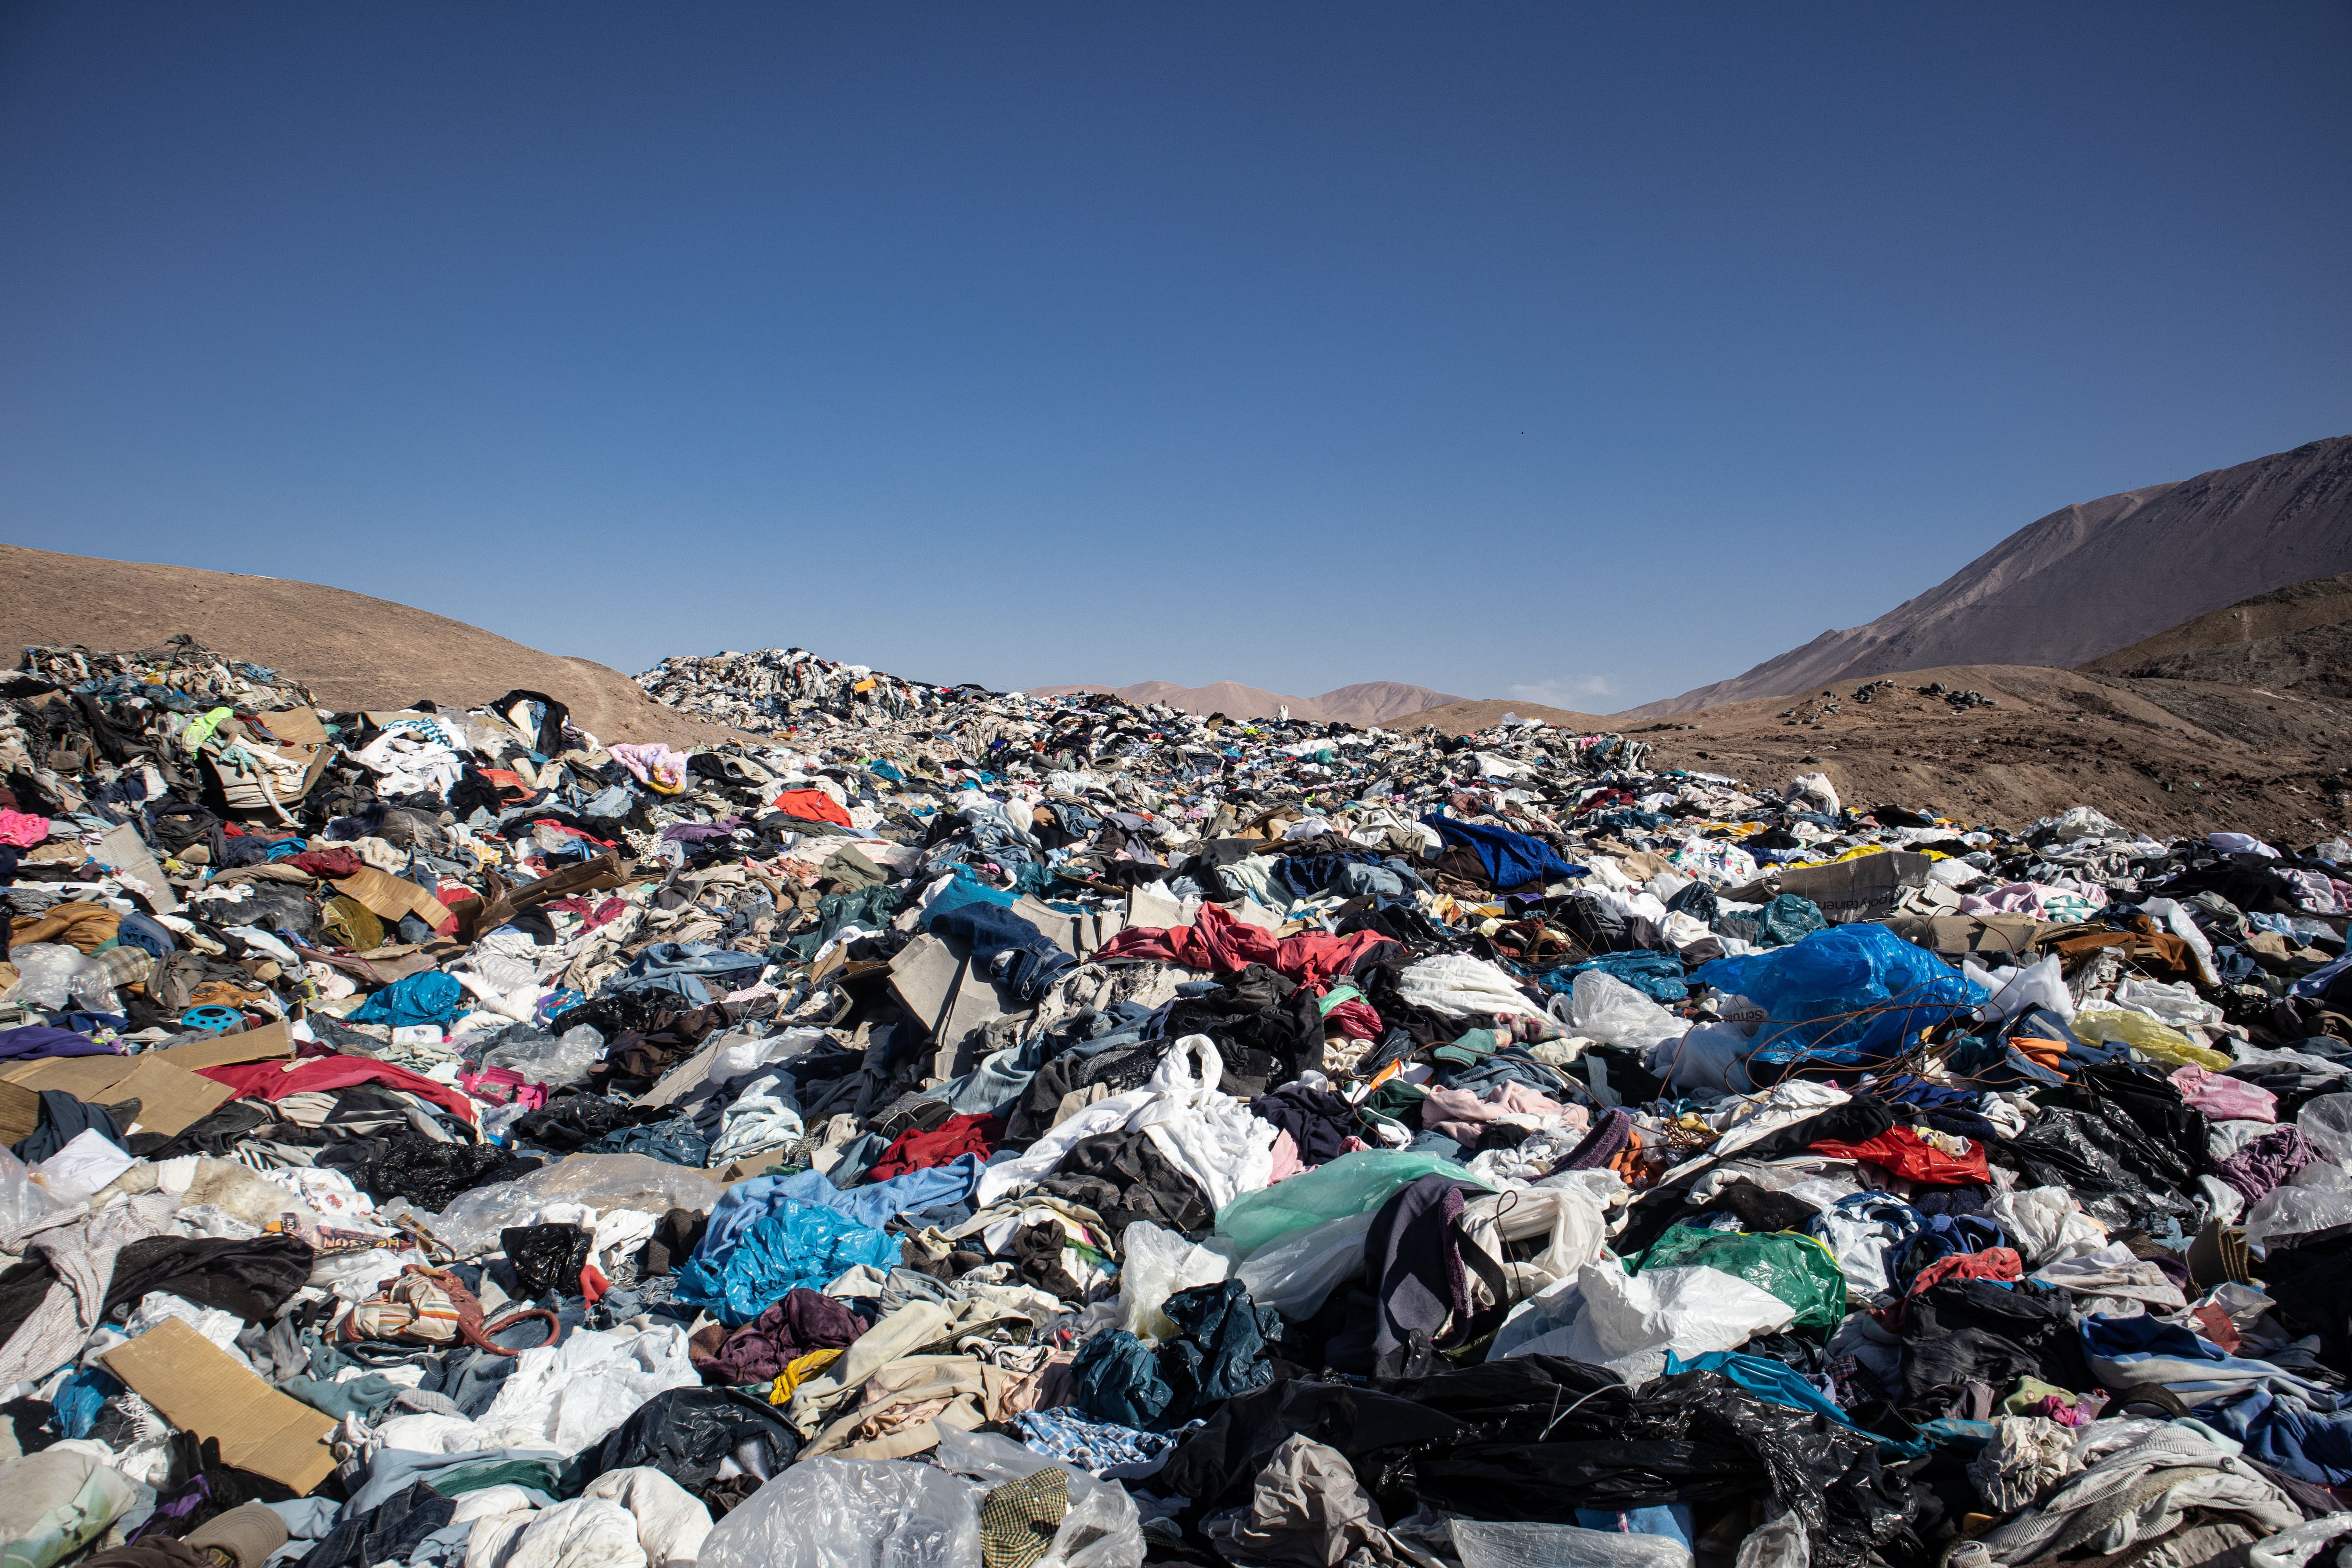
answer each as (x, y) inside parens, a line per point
(20, 1112)
(171, 1099)
(199, 1388)
(253, 1046)
(736, 1171)
(388, 897)
(84, 1077)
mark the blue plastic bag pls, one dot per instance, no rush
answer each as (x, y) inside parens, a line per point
(1841, 997)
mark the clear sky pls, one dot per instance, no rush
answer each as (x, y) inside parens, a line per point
(1579, 354)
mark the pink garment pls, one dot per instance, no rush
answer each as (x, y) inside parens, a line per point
(1285, 1156)
(2225, 1098)
(655, 764)
(23, 829)
(2033, 898)
(1464, 1117)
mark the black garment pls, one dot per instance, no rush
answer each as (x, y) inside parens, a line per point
(687, 1433)
(548, 741)
(1317, 1120)
(252, 1279)
(569, 1122)
(1978, 1331)
(427, 1173)
(2310, 1277)
(1266, 1029)
(1413, 1264)
(386, 1535)
(1124, 1177)
(1858, 1121)
(1761, 1210)
(63, 1118)
(215, 1135)
(1216, 1464)
(676, 1235)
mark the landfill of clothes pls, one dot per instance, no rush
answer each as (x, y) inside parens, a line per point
(949, 1127)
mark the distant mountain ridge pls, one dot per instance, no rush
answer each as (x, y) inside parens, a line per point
(2091, 578)
(1366, 702)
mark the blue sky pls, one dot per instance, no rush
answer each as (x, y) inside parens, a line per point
(1558, 353)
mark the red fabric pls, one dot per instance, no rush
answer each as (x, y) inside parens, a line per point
(812, 805)
(950, 1140)
(570, 831)
(451, 894)
(1357, 1020)
(328, 863)
(1915, 1159)
(1992, 1263)
(1216, 941)
(276, 1081)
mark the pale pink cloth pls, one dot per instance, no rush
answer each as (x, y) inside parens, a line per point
(1286, 1157)
(2225, 1098)
(1464, 1117)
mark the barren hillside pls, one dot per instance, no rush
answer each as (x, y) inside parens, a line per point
(351, 650)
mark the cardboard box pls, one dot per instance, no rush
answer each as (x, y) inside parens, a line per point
(200, 1388)
(171, 1098)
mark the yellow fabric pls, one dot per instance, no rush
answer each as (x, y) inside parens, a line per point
(797, 1371)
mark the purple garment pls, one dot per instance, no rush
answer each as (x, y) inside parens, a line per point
(40, 1041)
(803, 1321)
(695, 832)
(2269, 1159)
(1601, 1144)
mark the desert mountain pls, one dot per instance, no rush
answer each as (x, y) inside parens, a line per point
(351, 650)
(1367, 702)
(2091, 578)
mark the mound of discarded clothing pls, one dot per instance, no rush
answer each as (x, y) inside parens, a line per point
(949, 1127)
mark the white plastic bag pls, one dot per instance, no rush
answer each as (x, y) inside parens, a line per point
(1102, 1529)
(852, 1513)
(2013, 991)
(1605, 1008)
(1154, 1265)
(1630, 1321)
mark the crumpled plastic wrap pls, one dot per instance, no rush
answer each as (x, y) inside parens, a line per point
(852, 1513)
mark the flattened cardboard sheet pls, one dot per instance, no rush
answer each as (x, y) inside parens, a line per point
(200, 1388)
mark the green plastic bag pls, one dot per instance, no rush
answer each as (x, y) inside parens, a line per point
(1800, 1269)
(1350, 1185)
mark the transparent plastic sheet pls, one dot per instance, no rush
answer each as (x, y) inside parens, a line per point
(1297, 1274)
(52, 975)
(563, 1060)
(1777, 1543)
(2045, 1224)
(852, 1513)
(2314, 1198)
(1156, 1264)
(471, 1223)
(1102, 1529)
(22, 1200)
(52, 1504)
(1351, 1184)
(1605, 1008)
(2327, 1125)
(1481, 1543)
(1628, 1322)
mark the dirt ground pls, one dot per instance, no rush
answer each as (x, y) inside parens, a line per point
(2163, 756)
(351, 650)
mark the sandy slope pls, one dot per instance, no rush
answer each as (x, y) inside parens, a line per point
(351, 650)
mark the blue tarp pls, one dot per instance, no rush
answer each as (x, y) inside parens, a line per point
(1840, 997)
